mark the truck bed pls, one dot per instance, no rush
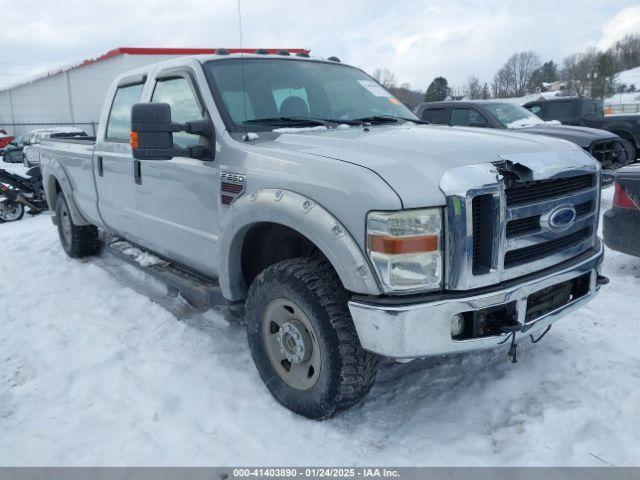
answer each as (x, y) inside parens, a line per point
(74, 158)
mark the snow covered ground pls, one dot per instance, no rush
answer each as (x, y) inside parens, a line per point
(97, 366)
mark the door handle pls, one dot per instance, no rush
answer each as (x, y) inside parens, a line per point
(100, 167)
(137, 172)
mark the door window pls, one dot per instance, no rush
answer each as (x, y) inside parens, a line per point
(560, 109)
(119, 123)
(537, 109)
(467, 117)
(435, 115)
(177, 92)
(588, 108)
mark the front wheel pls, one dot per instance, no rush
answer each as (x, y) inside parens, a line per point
(303, 340)
(11, 211)
(632, 151)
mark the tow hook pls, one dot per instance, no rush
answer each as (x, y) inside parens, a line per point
(513, 349)
(602, 280)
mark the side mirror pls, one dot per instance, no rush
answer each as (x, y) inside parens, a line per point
(152, 133)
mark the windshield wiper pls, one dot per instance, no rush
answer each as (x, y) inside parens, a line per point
(300, 121)
(388, 119)
(309, 122)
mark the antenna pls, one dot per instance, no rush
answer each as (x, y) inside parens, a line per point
(244, 85)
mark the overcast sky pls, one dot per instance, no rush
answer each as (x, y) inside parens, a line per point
(416, 39)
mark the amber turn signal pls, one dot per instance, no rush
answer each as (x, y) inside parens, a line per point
(410, 244)
(134, 140)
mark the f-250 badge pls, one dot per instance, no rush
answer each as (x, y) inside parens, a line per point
(231, 187)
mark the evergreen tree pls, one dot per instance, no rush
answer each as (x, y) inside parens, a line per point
(438, 90)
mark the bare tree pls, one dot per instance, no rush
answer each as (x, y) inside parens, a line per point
(503, 83)
(385, 77)
(579, 70)
(473, 88)
(514, 77)
(627, 52)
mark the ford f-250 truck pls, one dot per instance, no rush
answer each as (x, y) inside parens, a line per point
(306, 192)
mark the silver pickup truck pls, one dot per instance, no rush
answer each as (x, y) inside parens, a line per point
(304, 191)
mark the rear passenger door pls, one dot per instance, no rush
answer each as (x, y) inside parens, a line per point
(177, 199)
(113, 163)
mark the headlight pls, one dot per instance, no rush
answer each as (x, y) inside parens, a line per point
(406, 248)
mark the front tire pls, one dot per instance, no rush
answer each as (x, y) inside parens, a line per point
(632, 152)
(77, 240)
(303, 341)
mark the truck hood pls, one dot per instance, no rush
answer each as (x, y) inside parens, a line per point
(582, 136)
(412, 158)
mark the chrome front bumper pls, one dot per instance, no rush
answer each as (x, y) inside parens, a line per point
(423, 329)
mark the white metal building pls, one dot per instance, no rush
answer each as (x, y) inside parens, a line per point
(74, 95)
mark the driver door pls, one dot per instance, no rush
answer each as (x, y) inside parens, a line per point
(177, 200)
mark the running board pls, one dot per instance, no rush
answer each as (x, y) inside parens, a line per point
(196, 290)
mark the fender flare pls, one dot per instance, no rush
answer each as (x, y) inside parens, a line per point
(302, 215)
(54, 172)
(618, 128)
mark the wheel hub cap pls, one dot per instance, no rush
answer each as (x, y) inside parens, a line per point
(291, 343)
(295, 342)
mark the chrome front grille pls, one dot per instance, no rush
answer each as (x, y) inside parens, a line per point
(521, 256)
(500, 228)
(539, 190)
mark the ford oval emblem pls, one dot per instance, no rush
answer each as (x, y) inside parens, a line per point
(562, 218)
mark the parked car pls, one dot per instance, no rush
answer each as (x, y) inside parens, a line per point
(605, 146)
(301, 189)
(13, 153)
(621, 224)
(31, 151)
(5, 139)
(589, 113)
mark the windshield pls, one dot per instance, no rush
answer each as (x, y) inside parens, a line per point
(275, 88)
(512, 116)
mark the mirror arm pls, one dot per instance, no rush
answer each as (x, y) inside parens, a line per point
(200, 127)
(193, 151)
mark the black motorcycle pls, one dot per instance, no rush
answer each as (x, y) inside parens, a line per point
(19, 192)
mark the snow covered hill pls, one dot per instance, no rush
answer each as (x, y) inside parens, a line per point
(628, 77)
(98, 367)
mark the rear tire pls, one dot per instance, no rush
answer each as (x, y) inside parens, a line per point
(77, 240)
(11, 211)
(301, 304)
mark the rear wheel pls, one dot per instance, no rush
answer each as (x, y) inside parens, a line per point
(11, 211)
(303, 340)
(77, 240)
